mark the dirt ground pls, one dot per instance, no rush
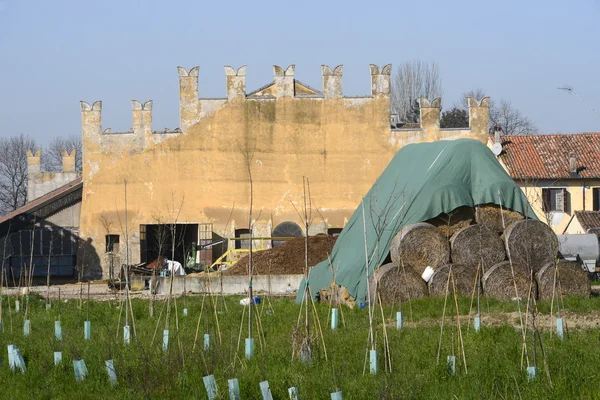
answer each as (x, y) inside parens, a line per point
(100, 291)
(574, 321)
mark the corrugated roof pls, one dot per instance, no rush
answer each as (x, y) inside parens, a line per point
(547, 156)
(41, 201)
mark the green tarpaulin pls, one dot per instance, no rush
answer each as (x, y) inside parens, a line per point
(422, 181)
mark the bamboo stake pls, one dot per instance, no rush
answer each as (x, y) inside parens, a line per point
(8, 298)
(48, 274)
(198, 325)
(385, 336)
(523, 329)
(318, 323)
(462, 343)
(443, 317)
(362, 204)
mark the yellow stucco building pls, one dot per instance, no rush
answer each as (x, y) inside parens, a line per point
(197, 175)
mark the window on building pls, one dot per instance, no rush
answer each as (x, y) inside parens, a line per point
(555, 199)
(596, 199)
(112, 243)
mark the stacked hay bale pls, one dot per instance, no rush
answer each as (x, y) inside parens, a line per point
(487, 244)
(509, 281)
(454, 221)
(495, 217)
(531, 243)
(420, 246)
(395, 284)
(562, 278)
(477, 246)
(463, 279)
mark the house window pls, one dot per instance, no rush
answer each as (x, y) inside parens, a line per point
(112, 243)
(596, 199)
(555, 199)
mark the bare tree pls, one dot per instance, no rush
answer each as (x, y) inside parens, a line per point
(52, 154)
(13, 171)
(511, 120)
(502, 114)
(414, 79)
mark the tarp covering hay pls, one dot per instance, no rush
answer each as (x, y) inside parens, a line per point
(464, 280)
(571, 279)
(421, 182)
(531, 243)
(498, 282)
(491, 215)
(420, 245)
(395, 284)
(475, 245)
(452, 222)
(288, 258)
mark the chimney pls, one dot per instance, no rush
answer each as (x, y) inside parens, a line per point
(497, 133)
(573, 173)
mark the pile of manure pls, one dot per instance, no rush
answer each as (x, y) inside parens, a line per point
(395, 284)
(289, 258)
(452, 222)
(498, 282)
(531, 243)
(420, 245)
(464, 280)
(477, 245)
(571, 279)
(491, 215)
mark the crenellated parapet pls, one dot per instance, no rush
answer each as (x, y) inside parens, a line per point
(284, 81)
(41, 182)
(189, 104)
(284, 89)
(380, 80)
(430, 111)
(479, 111)
(332, 81)
(236, 82)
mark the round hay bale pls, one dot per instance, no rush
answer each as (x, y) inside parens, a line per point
(498, 282)
(571, 279)
(396, 284)
(452, 222)
(531, 243)
(464, 280)
(491, 216)
(420, 245)
(475, 245)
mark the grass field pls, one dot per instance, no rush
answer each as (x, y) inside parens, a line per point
(144, 371)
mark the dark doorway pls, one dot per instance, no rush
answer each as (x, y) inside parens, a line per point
(157, 241)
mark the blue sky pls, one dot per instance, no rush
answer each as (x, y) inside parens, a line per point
(55, 53)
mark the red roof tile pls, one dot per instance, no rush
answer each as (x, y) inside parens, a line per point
(547, 156)
(589, 220)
